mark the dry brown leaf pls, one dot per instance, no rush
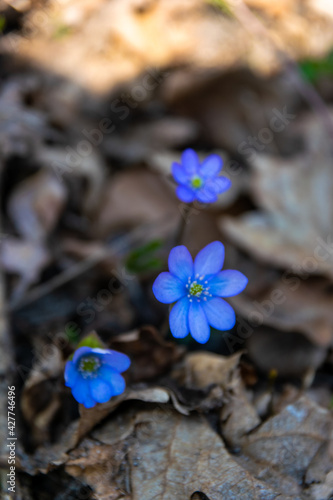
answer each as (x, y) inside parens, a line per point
(289, 353)
(201, 369)
(151, 355)
(40, 399)
(90, 168)
(143, 141)
(294, 228)
(149, 201)
(290, 304)
(89, 418)
(97, 465)
(25, 258)
(238, 416)
(176, 456)
(290, 440)
(201, 35)
(36, 204)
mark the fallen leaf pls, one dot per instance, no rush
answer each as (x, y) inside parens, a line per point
(69, 164)
(202, 37)
(201, 369)
(176, 456)
(151, 355)
(291, 305)
(150, 201)
(40, 399)
(290, 354)
(290, 440)
(97, 465)
(25, 258)
(35, 205)
(238, 416)
(293, 229)
(140, 143)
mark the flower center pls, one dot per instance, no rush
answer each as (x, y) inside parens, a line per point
(197, 288)
(88, 366)
(196, 182)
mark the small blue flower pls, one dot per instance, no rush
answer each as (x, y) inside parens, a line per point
(196, 289)
(199, 181)
(94, 375)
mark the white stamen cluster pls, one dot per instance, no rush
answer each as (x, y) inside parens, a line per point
(89, 366)
(197, 289)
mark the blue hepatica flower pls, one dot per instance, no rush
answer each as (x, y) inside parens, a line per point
(197, 289)
(94, 375)
(199, 181)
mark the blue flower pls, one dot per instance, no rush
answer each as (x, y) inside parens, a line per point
(196, 289)
(94, 375)
(199, 181)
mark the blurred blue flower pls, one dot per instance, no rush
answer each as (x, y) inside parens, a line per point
(196, 289)
(94, 375)
(199, 181)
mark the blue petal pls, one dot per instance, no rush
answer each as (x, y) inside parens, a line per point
(210, 259)
(220, 314)
(185, 194)
(71, 374)
(100, 390)
(167, 288)
(227, 283)
(198, 323)
(206, 195)
(82, 393)
(116, 360)
(211, 166)
(112, 377)
(178, 319)
(106, 372)
(219, 184)
(179, 173)
(181, 263)
(118, 384)
(190, 161)
(80, 352)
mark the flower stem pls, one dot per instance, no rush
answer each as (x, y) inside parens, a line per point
(182, 224)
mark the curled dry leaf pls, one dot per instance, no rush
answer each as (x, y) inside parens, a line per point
(89, 418)
(238, 416)
(97, 465)
(204, 369)
(201, 369)
(294, 227)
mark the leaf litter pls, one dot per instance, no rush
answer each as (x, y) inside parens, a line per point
(253, 418)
